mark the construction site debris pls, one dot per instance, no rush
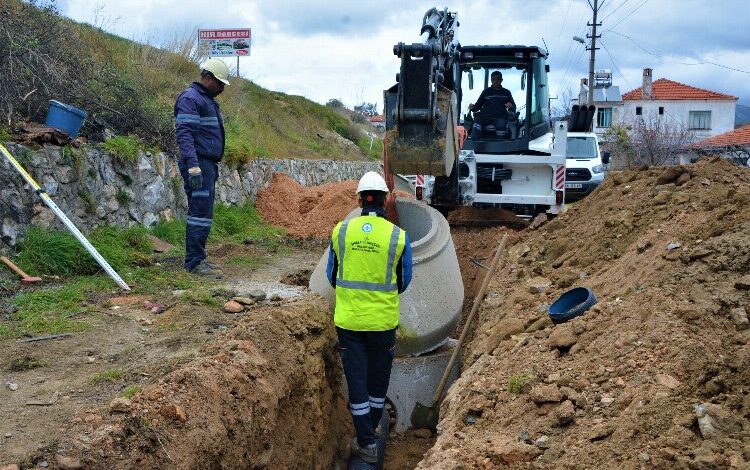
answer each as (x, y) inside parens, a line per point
(668, 333)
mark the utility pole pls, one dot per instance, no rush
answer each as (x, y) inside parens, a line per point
(593, 50)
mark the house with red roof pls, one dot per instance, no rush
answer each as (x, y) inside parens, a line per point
(734, 145)
(706, 113)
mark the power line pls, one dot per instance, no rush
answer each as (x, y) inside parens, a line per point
(565, 18)
(627, 15)
(616, 8)
(705, 62)
(615, 65)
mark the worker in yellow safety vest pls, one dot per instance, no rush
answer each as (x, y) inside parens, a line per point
(369, 265)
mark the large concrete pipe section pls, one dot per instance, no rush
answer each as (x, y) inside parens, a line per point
(431, 306)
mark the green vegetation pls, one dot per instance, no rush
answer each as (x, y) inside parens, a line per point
(516, 383)
(124, 148)
(109, 375)
(246, 261)
(131, 391)
(4, 135)
(88, 201)
(235, 223)
(123, 197)
(19, 364)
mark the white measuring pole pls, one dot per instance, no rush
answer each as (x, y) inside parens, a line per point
(65, 220)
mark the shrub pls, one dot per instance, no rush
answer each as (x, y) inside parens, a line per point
(516, 383)
(124, 148)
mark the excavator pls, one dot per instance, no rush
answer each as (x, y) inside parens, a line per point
(512, 158)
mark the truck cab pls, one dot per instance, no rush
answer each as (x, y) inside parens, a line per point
(585, 165)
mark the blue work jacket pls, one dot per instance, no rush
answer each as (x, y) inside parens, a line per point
(198, 125)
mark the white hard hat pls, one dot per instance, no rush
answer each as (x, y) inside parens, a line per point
(371, 181)
(218, 69)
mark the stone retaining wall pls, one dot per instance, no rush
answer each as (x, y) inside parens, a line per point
(93, 188)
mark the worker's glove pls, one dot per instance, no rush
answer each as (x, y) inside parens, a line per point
(195, 178)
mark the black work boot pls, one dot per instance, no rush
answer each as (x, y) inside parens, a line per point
(204, 269)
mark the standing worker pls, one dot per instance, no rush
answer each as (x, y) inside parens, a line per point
(369, 265)
(200, 137)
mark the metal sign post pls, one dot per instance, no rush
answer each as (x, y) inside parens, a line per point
(65, 220)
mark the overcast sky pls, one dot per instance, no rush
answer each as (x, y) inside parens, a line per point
(343, 49)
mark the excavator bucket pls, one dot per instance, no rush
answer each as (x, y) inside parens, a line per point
(425, 146)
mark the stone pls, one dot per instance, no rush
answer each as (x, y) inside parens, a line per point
(562, 337)
(668, 381)
(539, 324)
(673, 246)
(173, 412)
(570, 394)
(699, 252)
(68, 463)
(9, 467)
(178, 292)
(274, 298)
(643, 245)
(257, 294)
(643, 456)
(538, 285)
(423, 433)
(662, 198)
(120, 405)
(545, 394)
(233, 307)
(506, 328)
(601, 431)
(8, 435)
(514, 452)
(538, 221)
(542, 442)
(739, 317)
(680, 198)
(669, 175)
(160, 246)
(742, 283)
(12, 386)
(607, 400)
(244, 300)
(565, 413)
(682, 179)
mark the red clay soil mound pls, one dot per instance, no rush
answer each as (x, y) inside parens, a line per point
(265, 396)
(667, 252)
(306, 212)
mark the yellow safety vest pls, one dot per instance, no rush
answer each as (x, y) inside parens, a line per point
(367, 249)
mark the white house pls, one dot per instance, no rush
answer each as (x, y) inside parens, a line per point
(706, 113)
(734, 145)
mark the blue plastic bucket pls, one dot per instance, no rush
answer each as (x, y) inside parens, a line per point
(571, 304)
(65, 117)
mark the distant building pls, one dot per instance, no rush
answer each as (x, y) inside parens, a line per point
(734, 145)
(607, 99)
(707, 113)
(377, 121)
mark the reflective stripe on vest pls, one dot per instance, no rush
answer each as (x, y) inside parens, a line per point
(388, 285)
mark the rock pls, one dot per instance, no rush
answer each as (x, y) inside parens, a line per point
(682, 179)
(9, 467)
(12, 386)
(644, 457)
(524, 436)
(513, 452)
(68, 463)
(742, 283)
(673, 246)
(662, 198)
(539, 324)
(275, 298)
(173, 412)
(160, 246)
(233, 307)
(714, 421)
(601, 431)
(257, 294)
(565, 413)
(570, 394)
(120, 405)
(538, 285)
(542, 442)
(545, 394)
(739, 317)
(94, 420)
(607, 400)
(423, 433)
(699, 252)
(178, 293)
(43, 464)
(538, 221)
(668, 381)
(643, 245)
(244, 300)
(680, 198)
(705, 181)
(562, 337)
(8, 435)
(669, 175)
(504, 330)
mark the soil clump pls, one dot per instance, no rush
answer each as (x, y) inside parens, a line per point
(654, 375)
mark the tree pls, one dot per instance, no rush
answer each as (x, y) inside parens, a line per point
(368, 109)
(561, 106)
(336, 104)
(658, 141)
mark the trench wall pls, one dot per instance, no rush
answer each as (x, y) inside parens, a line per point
(94, 188)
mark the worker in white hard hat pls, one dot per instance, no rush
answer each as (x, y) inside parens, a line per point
(369, 265)
(199, 128)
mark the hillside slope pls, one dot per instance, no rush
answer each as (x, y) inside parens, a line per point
(130, 88)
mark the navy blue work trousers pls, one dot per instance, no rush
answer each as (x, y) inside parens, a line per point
(200, 211)
(367, 357)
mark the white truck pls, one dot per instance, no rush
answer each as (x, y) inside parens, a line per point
(586, 165)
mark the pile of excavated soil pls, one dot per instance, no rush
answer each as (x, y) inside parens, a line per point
(266, 395)
(308, 212)
(655, 375)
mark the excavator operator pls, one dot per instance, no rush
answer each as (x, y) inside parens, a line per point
(495, 103)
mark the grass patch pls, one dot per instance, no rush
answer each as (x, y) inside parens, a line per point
(89, 203)
(4, 136)
(246, 261)
(109, 375)
(124, 148)
(235, 223)
(172, 231)
(516, 383)
(55, 252)
(131, 391)
(123, 197)
(19, 364)
(201, 297)
(376, 151)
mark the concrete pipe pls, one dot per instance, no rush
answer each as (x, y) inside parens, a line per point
(431, 306)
